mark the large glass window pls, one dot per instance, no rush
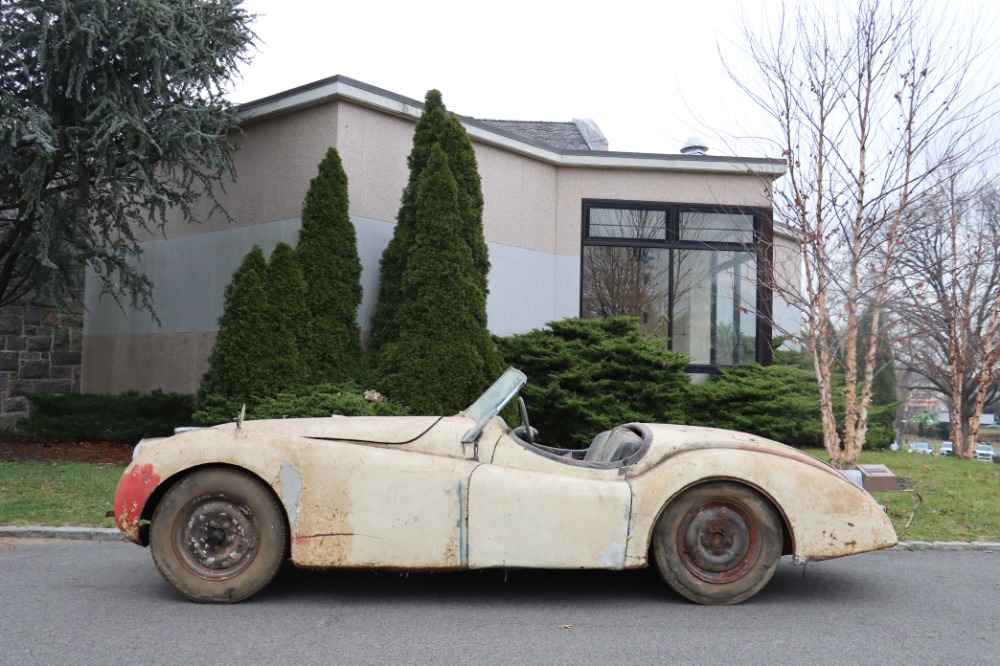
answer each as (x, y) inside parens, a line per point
(714, 306)
(633, 281)
(716, 227)
(688, 275)
(635, 223)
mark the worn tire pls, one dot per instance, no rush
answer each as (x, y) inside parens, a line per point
(718, 544)
(218, 536)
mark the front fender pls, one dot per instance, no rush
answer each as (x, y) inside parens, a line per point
(159, 462)
(135, 487)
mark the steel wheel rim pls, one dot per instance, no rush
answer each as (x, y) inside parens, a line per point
(719, 541)
(219, 539)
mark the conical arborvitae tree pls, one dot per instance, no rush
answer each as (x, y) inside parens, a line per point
(882, 414)
(439, 128)
(287, 318)
(438, 362)
(235, 368)
(465, 169)
(328, 253)
(430, 128)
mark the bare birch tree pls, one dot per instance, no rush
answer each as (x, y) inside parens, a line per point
(869, 102)
(947, 303)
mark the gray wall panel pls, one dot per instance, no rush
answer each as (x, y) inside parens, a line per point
(528, 287)
(190, 274)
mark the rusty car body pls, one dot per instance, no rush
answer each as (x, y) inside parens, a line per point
(222, 508)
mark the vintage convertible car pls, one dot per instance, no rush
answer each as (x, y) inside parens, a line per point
(222, 508)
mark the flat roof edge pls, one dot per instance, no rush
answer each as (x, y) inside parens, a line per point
(342, 87)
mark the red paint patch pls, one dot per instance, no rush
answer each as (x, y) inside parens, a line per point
(134, 488)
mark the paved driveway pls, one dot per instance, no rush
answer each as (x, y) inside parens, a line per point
(64, 602)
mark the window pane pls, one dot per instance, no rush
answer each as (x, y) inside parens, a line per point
(716, 227)
(632, 281)
(628, 223)
(715, 296)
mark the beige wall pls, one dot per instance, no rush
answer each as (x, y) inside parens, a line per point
(520, 199)
(277, 158)
(787, 285)
(166, 361)
(532, 223)
(374, 147)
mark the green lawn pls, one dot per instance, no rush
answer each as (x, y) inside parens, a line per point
(33, 493)
(961, 498)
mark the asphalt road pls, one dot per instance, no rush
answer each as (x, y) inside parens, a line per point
(80, 603)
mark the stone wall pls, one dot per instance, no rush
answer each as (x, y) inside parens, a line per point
(40, 352)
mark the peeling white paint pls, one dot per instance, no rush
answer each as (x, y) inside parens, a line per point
(290, 480)
(423, 504)
(614, 557)
(518, 513)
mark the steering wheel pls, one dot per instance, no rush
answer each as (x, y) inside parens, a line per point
(523, 413)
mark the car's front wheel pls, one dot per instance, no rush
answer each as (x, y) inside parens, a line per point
(719, 543)
(218, 536)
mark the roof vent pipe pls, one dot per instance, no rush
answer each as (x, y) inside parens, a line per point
(694, 146)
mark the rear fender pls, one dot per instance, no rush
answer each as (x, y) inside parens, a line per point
(825, 515)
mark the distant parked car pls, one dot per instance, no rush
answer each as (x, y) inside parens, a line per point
(921, 447)
(985, 452)
(947, 449)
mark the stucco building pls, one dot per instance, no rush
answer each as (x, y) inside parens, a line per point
(680, 241)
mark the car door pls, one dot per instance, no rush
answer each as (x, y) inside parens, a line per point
(398, 507)
(528, 510)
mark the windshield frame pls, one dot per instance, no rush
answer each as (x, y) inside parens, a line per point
(492, 401)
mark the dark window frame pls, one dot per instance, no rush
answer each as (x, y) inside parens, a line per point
(762, 246)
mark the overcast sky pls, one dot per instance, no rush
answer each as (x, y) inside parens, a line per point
(648, 72)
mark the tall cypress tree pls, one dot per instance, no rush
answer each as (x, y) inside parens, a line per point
(430, 128)
(235, 368)
(436, 128)
(328, 253)
(439, 361)
(439, 128)
(287, 319)
(465, 169)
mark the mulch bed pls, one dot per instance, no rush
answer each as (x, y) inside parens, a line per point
(17, 449)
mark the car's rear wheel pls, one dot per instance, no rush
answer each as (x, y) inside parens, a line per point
(218, 536)
(718, 544)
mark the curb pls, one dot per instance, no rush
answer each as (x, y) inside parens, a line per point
(112, 534)
(69, 533)
(947, 545)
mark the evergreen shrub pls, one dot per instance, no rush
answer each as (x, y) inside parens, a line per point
(344, 399)
(779, 402)
(882, 426)
(127, 417)
(881, 415)
(589, 375)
